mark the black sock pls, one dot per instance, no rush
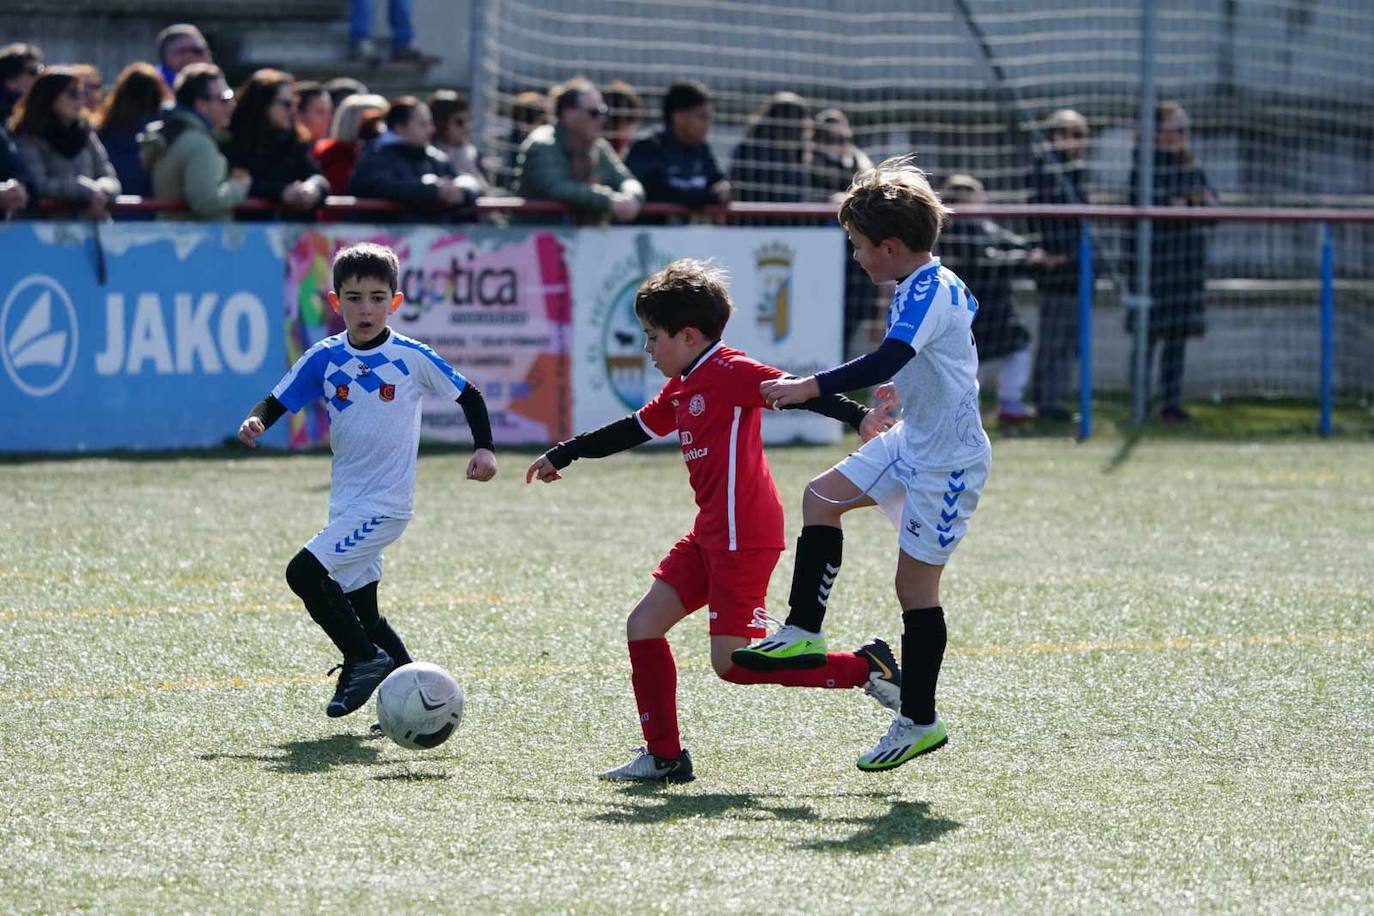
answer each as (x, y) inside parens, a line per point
(328, 605)
(923, 649)
(386, 638)
(818, 562)
(364, 601)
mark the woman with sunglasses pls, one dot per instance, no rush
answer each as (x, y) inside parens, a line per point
(59, 147)
(267, 142)
(453, 135)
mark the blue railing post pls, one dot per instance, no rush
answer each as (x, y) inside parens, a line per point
(1085, 330)
(1328, 307)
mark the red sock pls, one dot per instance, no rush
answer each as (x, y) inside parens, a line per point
(654, 676)
(841, 669)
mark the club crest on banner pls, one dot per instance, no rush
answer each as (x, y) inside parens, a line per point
(774, 262)
(621, 342)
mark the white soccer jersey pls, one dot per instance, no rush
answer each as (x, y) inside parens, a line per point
(373, 397)
(933, 311)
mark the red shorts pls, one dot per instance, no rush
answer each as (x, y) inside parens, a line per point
(731, 582)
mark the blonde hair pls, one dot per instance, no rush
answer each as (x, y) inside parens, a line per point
(960, 188)
(1065, 119)
(894, 200)
(349, 115)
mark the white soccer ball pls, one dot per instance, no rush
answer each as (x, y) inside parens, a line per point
(419, 705)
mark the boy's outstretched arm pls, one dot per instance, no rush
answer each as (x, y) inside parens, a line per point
(266, 412)
(836, 407)
(867, 422)
(482, 465)
(625, 433)
(866, 370)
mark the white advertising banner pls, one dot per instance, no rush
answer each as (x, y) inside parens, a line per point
(787, 287)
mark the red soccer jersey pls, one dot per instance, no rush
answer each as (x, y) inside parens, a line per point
(715, 410)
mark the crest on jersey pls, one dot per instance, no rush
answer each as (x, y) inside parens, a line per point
(774, 262)
(387, 392)
(697, 405)
(341, 392)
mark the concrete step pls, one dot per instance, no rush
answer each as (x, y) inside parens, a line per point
(181, 11)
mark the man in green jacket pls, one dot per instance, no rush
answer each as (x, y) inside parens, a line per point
(571, 161)
(180, 152)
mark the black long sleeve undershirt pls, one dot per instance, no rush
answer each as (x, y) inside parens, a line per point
(869, 369)
(836, 407)
(269, 410)
(475, 412)
(628, 432)
(617, 436)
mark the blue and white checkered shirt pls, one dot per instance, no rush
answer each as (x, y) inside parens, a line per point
(373, 397)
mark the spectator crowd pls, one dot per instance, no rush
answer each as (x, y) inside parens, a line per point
(177, 131)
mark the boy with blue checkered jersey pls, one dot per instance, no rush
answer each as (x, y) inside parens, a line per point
(926, 472)
(372, 380)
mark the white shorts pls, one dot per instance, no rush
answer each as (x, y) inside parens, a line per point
(350, 547)
(930, 509)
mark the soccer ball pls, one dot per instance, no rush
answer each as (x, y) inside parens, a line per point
(419, 705)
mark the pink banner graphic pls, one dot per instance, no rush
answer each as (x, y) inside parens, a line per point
(495, 303)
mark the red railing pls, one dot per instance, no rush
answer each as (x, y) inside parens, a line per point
(337, 207)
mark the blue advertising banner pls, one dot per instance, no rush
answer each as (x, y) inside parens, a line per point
(136, 336)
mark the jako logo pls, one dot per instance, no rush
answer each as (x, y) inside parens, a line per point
(38, 340)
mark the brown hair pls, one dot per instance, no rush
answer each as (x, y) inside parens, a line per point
(686, 294)
(1166, 109)
(402, 109)
(139, 94)
(623, 104)
(366, 261)
(894, 200)
(529, 109)
(443, 105)
(34, 112)
(193, 83)
(248, 126)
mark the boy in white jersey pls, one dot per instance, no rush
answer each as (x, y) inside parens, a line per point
(926, 472)
(372, 380)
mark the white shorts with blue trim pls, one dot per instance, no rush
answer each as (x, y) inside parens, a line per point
(350, 547)
(930, 509)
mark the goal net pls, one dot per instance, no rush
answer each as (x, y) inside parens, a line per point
(1278, 99)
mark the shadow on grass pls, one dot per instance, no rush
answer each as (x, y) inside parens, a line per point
(1131, 434)
(317, 756)
(907, 823)
(675, 807)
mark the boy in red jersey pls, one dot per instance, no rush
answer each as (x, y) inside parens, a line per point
(712, 400)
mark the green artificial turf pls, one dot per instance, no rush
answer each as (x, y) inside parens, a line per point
(1159, 689)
